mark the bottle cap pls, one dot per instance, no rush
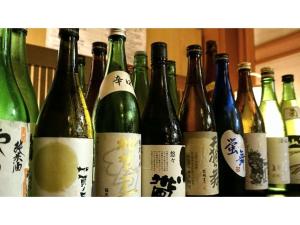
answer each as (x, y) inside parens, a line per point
(24, 30)
(194, 49)
(244, 65)
(118, 31)
(81, 59)
(211, 45)
(74, 32)
(287, 78)
(158, 51)
(98, 47)
(267, 72)
(222, 56)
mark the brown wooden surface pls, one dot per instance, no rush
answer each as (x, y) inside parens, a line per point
(278, 48)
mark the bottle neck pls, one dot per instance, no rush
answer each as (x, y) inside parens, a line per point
(222, 80)
(194, 74)
(288, 91)
(5, 51)
(159, 79)
(245, 83)
(210, 67)
(67, 56)
(18, 47)
(268, 90)
(116, 55)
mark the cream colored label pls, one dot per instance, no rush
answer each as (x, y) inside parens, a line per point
(115, 81)
(290, 113)
(118, 164)
(233, 150)
(163, 170)
(62, 167)
(201, 163)
(278, 160)
(256, 161)
(14, 158)
(294, 153)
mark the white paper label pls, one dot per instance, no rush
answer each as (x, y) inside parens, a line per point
(118, 164)
(61, 167)
(14, 158)
(294, 153)
(163, 170)
(256, 161)
(290, 113)
(115, 81)
(278, 160)
(233, 150)
(201, 163)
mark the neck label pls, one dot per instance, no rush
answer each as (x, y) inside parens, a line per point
(115, 81)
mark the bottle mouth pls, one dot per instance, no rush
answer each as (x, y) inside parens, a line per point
(19, 30)
(81, 59)
(196, 49)
(69, 32)
(118, 31)
(222, 56)
(98, 47)
(158, 51)
(244, 65)
(288, 78)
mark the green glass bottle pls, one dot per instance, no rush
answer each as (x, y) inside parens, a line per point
(277, 142)
(172, 86)
(200, 136)
(254, 135)
(20, 68)
(81, 72)
(117, 126)
(291, 115)
(140, 76)
(14, 133)
(62, 161)
(163, 152)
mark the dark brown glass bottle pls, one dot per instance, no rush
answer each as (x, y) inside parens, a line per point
(210, 68)
(99, 51)
(200, 137)
(254, 135)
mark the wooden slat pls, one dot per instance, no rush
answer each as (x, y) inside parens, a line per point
(278, 48)
(36, 81)
(42, 85)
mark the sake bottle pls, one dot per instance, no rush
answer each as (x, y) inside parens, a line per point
(291, 115)
(117, 126)
(230, 133)
(14, 132)
(254, 134)
(277, 142)
(99, 50)
(172, 85)
(199, 130)
(62, 161)
(163, 154)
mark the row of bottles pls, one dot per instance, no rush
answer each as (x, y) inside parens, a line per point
(126, 136)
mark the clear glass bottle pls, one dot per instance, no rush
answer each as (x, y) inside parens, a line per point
(277, 142)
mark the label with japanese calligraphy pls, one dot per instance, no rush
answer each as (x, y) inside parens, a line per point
(294, 153)
(118, 165)
(115, 81)
(14, 158)
(290, 113)
(256, 161)
(233, 150)
(201, 163)
(278, 160)
(62, 167)
(163, 170)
